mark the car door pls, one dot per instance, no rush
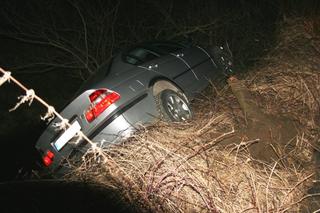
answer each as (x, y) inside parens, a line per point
(173, 64)
(199, 62)
(164, 64)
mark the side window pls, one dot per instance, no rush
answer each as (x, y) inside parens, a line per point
(168, 47)
(139, 56)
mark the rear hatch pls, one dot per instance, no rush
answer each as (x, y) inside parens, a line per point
(83, 113)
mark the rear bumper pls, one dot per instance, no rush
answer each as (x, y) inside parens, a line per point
(113, 133)
(113, 129)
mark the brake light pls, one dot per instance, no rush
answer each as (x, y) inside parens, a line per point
(100, 100)
(48, 158)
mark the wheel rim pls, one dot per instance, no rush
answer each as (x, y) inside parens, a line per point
(178, 108)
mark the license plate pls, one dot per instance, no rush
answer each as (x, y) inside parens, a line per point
(67, 135)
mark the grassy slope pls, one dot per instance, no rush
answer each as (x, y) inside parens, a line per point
(184, 167)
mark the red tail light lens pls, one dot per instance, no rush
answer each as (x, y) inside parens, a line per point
(48, 158)
(100, 100)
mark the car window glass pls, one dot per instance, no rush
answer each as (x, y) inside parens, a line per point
(168, 48)
(139, 56)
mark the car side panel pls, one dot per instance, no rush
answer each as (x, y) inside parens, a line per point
(175, 70)
(144, 112)
(136, 102)
(200, 65)
(168, 66)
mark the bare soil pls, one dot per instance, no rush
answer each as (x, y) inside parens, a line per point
(267, 133)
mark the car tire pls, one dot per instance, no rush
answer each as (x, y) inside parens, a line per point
(173, 106)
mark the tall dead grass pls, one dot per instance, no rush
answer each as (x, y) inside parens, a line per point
(182, 167)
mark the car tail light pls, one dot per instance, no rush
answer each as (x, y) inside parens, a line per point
(100, 100)
(48, 158)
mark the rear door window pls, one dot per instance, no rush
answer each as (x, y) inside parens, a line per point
(167, 47)
(139, 56)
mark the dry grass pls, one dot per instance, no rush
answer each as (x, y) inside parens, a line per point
(171, 167)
